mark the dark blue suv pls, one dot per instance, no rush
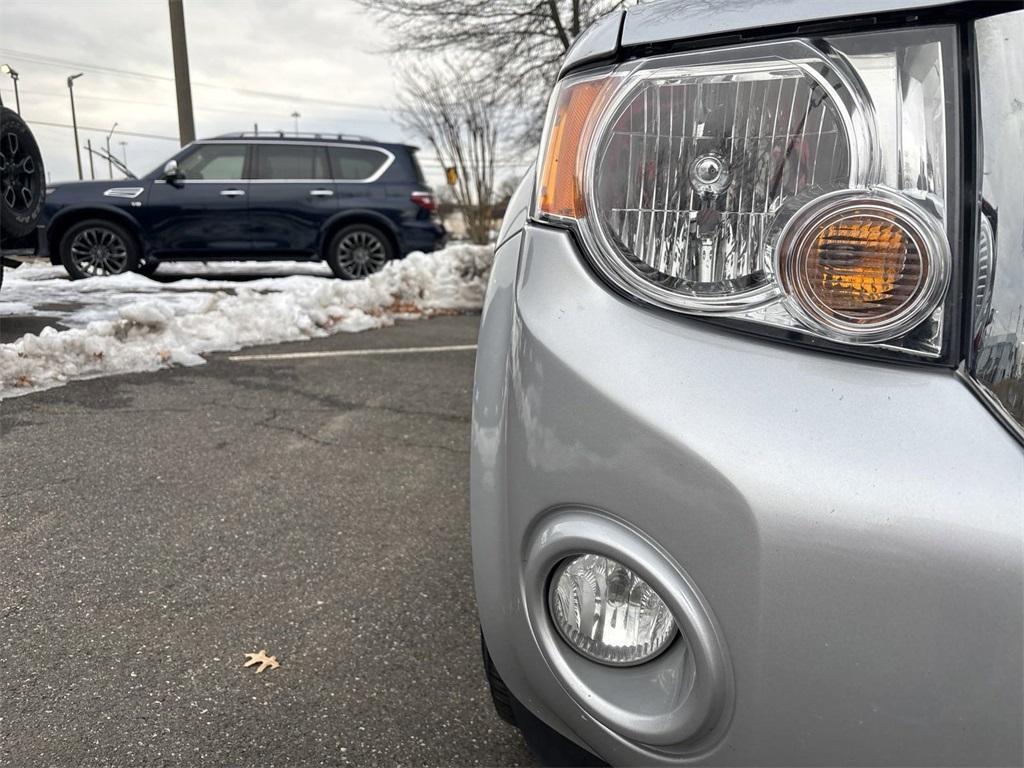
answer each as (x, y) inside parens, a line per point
(352, 202)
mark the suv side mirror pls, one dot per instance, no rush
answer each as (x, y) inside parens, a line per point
(171, 172)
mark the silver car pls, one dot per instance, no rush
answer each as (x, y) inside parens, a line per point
(747, 467)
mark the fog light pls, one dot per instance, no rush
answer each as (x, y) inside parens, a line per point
(608, 613)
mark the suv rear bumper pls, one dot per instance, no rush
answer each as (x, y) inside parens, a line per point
(855, 528)
(424, 236)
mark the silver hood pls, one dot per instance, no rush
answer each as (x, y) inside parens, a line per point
(682, 19)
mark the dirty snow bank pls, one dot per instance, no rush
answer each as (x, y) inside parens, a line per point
(159, 328)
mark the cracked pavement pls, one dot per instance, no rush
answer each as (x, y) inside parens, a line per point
(156, 527)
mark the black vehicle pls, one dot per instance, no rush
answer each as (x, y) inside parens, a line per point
(22, 184)
(350, 201)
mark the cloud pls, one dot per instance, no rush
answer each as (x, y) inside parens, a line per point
(327, 56)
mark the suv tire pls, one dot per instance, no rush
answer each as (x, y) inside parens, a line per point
(359, 250)
(98, 248)
(544, 742)
(22, 178)
(500, 694)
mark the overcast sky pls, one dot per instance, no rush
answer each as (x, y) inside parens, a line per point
(324, 59)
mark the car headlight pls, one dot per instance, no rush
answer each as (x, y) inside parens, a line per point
(799, 185)
(607, 613)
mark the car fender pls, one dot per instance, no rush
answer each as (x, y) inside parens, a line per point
(84, 210)
(518, 210)
(360, 214)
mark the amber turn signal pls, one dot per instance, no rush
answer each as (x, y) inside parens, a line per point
(862, 264)
(561, 169)
(862, 267)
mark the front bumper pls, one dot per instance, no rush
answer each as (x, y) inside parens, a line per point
(853, 529)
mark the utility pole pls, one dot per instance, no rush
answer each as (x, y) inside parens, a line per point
(110, 165)
(124, 152)
(182, 84)
(7, 69)
(296, 116)
(74, 121)
(88, 148)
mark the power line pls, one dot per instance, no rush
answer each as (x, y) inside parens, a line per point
(102, 130)
(199, 107)
(50, 61)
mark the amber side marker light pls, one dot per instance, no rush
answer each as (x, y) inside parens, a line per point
(560, 186)
(862, 266)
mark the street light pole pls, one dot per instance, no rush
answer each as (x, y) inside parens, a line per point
(296, 115)
(7, 69)
(110, 164)
(92, 169)
(74, 121)
(124, 152)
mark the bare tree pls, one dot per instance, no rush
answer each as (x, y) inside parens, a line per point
(517, 44)
(446, 202)
(459, 117)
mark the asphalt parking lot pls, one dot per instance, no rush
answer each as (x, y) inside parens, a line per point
(157, 527)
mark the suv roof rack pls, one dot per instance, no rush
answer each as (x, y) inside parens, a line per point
(294, 135)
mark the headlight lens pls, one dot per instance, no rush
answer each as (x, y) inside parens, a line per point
(607, 612)
(681, 173)
(694, 162)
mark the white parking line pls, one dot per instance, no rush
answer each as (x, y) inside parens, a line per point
(351, 353)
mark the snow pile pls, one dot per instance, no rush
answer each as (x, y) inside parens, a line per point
(157, 325)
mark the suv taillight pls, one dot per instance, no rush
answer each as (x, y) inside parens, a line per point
(424, 200)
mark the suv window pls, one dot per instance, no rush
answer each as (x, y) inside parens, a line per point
(223, 162)
(355, 163)
(280, 161)
(416, 169)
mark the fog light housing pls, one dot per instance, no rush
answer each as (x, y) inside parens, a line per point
(607, 613)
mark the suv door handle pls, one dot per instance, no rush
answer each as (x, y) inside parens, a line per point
(232, 192)
(321, 193)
